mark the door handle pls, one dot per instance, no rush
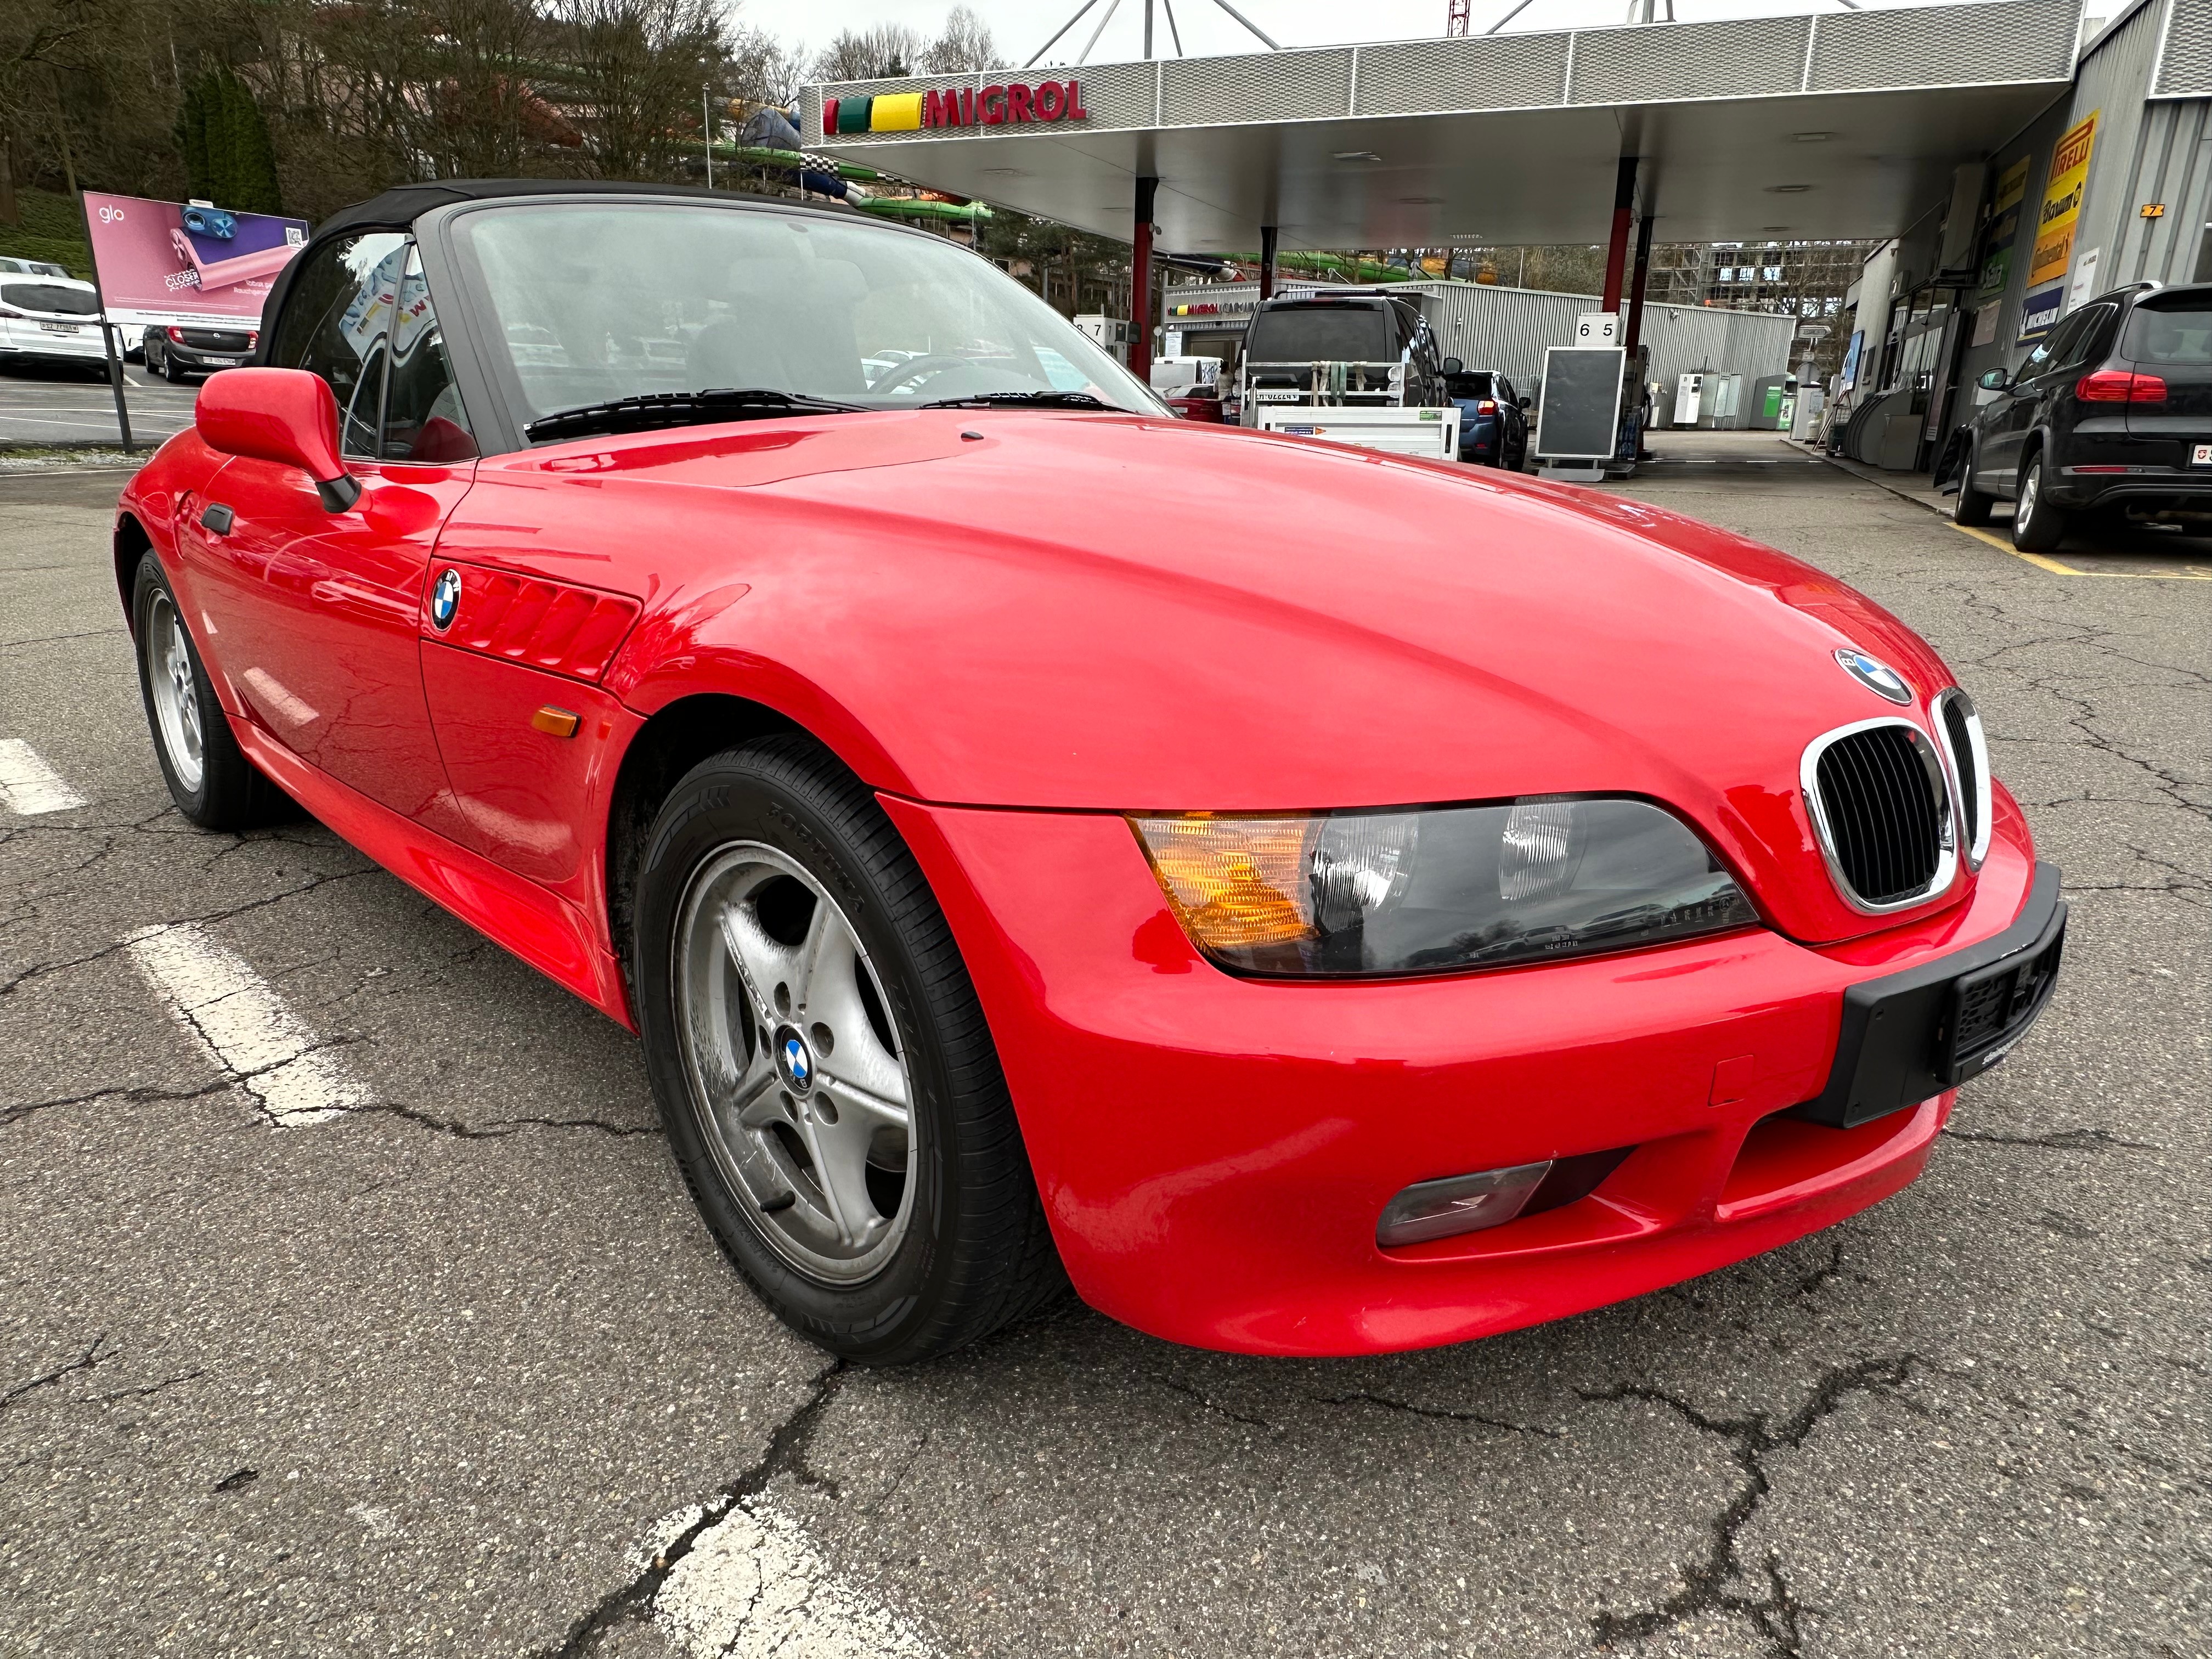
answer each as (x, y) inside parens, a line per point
(216, 519)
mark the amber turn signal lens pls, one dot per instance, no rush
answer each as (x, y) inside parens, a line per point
(556, 722)
(1234, 883)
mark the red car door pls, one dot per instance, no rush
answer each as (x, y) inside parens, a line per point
(316, 613)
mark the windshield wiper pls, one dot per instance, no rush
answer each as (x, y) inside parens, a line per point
(1017, 399)
(651, 410)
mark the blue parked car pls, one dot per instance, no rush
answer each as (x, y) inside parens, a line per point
(1494, 421)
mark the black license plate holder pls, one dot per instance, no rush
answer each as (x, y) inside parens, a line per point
(1900, 1038)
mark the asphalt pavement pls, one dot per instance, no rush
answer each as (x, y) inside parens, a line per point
(456, 1371)
(64, 404)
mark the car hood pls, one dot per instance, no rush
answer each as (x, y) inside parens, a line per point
(1123, 614)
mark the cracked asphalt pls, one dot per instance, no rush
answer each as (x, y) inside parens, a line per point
(459, 1372)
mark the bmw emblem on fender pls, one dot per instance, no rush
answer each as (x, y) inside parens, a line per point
(445, 599)
(1878, 677)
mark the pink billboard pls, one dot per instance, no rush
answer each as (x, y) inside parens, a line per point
(178, 262)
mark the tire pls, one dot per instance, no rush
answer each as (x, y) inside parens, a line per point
(210, 778)
(1970, 507)
(170, 372)
(885, 1240)
(2037, 526)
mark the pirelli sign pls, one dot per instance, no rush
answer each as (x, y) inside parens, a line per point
(1015, 103)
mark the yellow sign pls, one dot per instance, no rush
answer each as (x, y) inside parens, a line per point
(2012, 185)
(2062, 204)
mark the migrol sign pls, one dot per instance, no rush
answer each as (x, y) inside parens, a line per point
(1014, 104)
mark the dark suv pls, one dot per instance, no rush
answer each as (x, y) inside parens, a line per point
(1494, 422)
(2112, 409)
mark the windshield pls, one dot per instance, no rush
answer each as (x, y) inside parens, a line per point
(608, 301)
(50, 298)
(2180, 333)
(1323, 334)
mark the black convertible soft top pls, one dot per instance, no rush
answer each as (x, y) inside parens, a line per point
(400, 207)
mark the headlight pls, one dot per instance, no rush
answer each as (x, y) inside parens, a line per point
(1345, 894)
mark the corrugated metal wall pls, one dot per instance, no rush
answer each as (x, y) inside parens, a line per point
(2114, 80)
(2174, 168)
(2148, 150)
(1507, 330)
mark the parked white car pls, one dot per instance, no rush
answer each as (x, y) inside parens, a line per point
(54, 319)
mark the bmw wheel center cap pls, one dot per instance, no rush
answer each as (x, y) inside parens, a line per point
(445, 599)
(1878, 677)
(794, 1061)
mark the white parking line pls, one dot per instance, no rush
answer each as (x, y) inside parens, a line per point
(28, 785)
(753, 1585)
(244, 1027)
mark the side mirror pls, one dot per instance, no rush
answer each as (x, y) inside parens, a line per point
(282, 415)
(1994, 380)
(1453, 366)
(1520, 403)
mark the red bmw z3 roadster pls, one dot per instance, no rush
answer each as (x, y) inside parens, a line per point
(1445, 903)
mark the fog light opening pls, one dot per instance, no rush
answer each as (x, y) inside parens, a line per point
(1491, 1198)
(1458, 1204)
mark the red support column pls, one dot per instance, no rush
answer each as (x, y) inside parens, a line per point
(1268, 240)
(1140, 282)
(1624, 209)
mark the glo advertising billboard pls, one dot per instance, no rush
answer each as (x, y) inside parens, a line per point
(163, 263)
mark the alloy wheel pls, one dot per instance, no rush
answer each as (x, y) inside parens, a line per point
(175, 690)
(796, 1071)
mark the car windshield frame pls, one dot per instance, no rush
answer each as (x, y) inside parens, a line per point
(474, 249)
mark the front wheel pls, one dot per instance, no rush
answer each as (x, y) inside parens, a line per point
(822, 1064)
(2037, 526)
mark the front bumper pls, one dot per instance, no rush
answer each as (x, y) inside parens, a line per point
(1213, 1152)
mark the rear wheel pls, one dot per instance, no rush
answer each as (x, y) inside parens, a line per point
(210, 778)
(1971, 506)
(822, 1065)
(170, 372)
(2037, 526)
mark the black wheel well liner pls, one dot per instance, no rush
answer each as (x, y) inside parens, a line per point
(132, 544)
(671, 743)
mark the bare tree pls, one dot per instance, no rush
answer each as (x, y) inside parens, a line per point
(965, 44)
(633, 69)
(873, 54)
(760, 69)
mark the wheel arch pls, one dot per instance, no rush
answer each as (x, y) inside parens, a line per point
(131, 545)
(675, 738)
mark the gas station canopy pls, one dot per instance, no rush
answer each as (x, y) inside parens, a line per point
(1837, 126)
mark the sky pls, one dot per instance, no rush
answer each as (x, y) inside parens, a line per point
(1022, 26)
